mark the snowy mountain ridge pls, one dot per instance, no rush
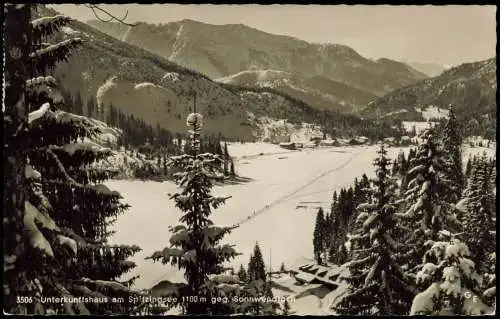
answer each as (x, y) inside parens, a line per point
(320, 92)
(469, 87)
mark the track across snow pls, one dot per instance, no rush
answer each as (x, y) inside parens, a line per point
(295, 192)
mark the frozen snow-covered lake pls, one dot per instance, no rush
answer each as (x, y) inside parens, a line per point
(280, 182)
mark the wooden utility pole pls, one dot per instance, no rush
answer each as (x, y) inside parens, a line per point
(270, 265)
(194, 104)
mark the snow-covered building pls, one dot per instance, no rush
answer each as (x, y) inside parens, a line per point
(277, 139)
(328, 143)
(362, 139)
(318, 274)
(288, 146)
(310, 145)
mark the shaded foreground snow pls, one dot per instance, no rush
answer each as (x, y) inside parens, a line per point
(283, 232)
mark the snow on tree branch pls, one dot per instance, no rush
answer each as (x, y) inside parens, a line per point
(36, 238)
(47, 25)
(38, 113)
(49, 56)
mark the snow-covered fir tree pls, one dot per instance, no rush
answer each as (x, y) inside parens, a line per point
(319, 235)
(490, 281)
(282, 267)
(451, 281)
(426, 211)
(468, 168)
(242, 274)
(452, 155)
(20, 276)
(256, 266)
(195, 244)
(378, 285)
(342, 216)
(68, 254)
(259, 285)
(231, 168)
(478, 216)
(72, 185)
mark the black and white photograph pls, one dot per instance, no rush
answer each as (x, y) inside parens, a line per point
(249, 159)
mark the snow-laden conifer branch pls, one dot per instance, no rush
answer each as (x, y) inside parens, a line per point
(33, 116)
(62, 168)
(47, 58)
(45, 26)
(35, 236)
(41, 80)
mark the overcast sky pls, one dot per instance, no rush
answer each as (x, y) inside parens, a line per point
(448, 35)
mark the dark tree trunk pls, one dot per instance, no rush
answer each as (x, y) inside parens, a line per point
(17, 44)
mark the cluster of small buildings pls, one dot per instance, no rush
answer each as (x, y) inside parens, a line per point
(326, 275)
(317, 141)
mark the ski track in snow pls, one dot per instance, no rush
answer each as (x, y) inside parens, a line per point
(288, 196)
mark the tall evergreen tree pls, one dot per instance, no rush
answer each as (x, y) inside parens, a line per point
(378, 284)
(318, 236)
(282, 267)
(468, 167)
(68, 254)
(231, 170)
(452, 156)
(242, 274)
(72, 184)
(19, 274)
(226, 152)
(259, 286)
(195, 244)
(478, 218)
(256, 266)
(425, 198)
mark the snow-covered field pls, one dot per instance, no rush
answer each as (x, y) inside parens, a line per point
(281, 179)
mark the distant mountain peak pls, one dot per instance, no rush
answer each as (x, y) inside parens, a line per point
(429, 68)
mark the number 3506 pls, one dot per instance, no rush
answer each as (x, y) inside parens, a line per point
(24, 299)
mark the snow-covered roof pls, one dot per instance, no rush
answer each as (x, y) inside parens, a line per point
(327, 142)
(302, 276)
(310, 144)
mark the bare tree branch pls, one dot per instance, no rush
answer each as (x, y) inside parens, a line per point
(97, 16)
(95, 7)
